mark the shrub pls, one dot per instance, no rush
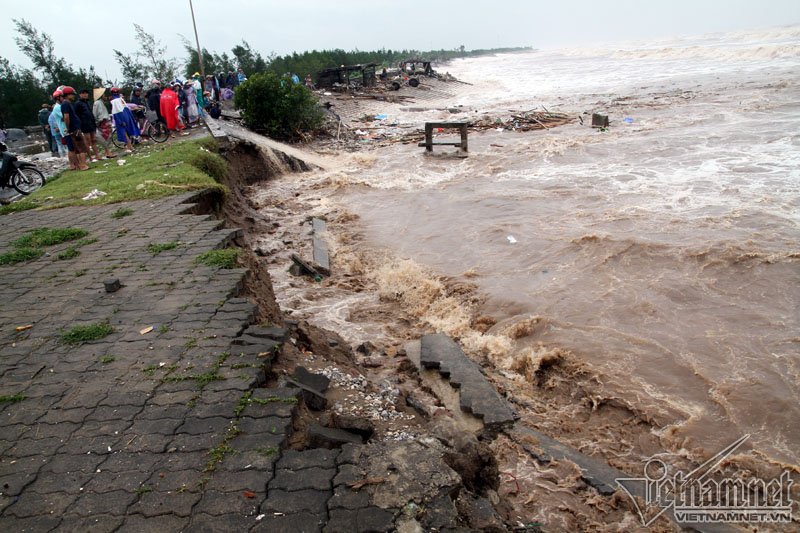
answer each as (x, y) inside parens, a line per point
(278, 107)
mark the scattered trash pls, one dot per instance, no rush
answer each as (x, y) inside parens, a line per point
(327, 94)
(381, 117)
(249, 494)
(627, 120)
(120, 162)
(94, 194)
(359, 132)
(112, 285)
(100, 171)
(23, 328)
(146, 330)
(511, 239)
(260, 517)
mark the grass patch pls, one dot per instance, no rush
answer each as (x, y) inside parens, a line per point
(201, 379)
(267, 452)
(211, 164)
(92, 332)
(163, 328)
(20, 255)
(48, 237)
(225, 258)
(85, 242)
(21, 205)
(81, 272)
(274, 399)
(149, 173)
(122, 212)
(70, 253)
(157, 248)
(144, 489)
(243, 403)
(107, 359)
(191, 343)
(12, 399)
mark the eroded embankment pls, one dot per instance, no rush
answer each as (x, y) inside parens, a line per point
(381, 303)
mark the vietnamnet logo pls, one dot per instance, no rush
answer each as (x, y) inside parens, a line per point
(696, 497)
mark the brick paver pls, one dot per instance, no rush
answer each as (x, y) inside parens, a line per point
(166, 429)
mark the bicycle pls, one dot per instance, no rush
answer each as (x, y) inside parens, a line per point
(155, 132)
(23, 176)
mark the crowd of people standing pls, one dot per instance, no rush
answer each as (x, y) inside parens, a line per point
(78, 129)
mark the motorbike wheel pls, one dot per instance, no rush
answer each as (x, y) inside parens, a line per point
(26, 180)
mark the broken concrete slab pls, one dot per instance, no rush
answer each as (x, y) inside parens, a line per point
(264, 345)
(596, 472)
(320, 247)
(405, 471)
(318, 382)
(322, 437)
(477, 395)
(313, 399)
(359, 425)
(275, 333)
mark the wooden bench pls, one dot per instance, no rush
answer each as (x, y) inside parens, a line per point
(429, 127)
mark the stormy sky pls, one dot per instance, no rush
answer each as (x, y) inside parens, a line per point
(86, 31)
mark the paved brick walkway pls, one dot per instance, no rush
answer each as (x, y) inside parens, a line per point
(160, 430)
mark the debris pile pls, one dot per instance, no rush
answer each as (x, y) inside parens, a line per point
(525, 121)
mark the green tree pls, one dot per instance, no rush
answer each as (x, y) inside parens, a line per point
(149, 61)
(248, 60)
(278, 107)
(40, 49)
(21, 96)
(132, 69)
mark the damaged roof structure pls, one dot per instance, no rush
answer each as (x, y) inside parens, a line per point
(346, 75)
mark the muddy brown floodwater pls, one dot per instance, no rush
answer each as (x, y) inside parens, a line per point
(633, 292)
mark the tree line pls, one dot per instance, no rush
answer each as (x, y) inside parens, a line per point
(23, 91)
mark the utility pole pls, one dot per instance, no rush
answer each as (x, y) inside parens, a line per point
(197, 40)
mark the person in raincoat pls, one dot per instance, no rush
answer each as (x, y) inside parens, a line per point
(192, 114)
(198, 93)
(127, 128)
(169, 109)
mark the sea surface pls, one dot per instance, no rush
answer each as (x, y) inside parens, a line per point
(664, 252)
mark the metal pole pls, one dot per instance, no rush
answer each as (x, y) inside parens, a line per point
(197, 40)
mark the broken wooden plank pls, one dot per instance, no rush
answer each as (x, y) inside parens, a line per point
(319, 247)
(304, 268)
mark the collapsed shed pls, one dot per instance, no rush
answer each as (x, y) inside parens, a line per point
(359, 75)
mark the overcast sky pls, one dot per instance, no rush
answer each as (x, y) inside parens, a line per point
(86, 31)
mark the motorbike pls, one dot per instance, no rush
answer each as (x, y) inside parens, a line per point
(23, 176)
